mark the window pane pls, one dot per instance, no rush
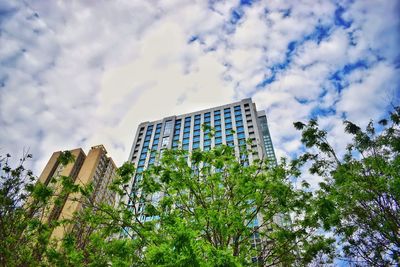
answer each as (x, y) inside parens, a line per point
(168, 128)
(165, 142)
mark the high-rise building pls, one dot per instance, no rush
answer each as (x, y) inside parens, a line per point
(233, 124)
(96, 168)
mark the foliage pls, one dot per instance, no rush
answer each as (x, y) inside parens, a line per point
(359, 199)
(24, 236)
(217, 212)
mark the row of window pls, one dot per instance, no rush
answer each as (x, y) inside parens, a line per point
(196, 130)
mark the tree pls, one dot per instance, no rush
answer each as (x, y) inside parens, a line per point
(202, 209)
(217, 212)
(359, 199)
(24, 236)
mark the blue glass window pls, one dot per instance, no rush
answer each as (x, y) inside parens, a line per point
(238, 113)
(139, 169)
(239, 123)
(197, 122)
(197, 132)
(144, 150)
(196, 139)
(177, 131)
(197, 127)
(207, 137)
(228, 125)
(207, 119)
(187, 129)
(185, 141)
(158, 130)
(238, 117)
(206, 114)
(237, 107)
(151, 160)
(186, 135)
(197, 116)
(227, 120)
(146, 143)
(229, 137)
(227, 110)
(217, 112)
(218, 134)
(241, 135)
(217, 117)
(230, 143)
(218, 140)
(242, 141)
(147, 138)
(207, 142)
(196, 145)
(176, 138)
(217, 123)
(143, 156)
(185, 146)
(187, 119)
(207, 148)
(217, 128)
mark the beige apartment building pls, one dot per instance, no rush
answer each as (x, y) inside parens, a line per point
(95, 167)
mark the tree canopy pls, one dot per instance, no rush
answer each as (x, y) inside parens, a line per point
(360, 196)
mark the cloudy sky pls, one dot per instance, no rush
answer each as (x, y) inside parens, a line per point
(81, 73)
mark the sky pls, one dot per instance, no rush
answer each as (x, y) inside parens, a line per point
(82, 73)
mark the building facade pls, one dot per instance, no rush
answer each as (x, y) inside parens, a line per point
(95, 167)
(233, 123)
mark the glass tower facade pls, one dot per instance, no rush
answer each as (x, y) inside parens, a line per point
(233, 124)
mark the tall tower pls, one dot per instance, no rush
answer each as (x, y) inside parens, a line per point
(96, 168)
(233, 123)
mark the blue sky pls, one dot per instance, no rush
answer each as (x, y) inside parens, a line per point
(76, 74)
